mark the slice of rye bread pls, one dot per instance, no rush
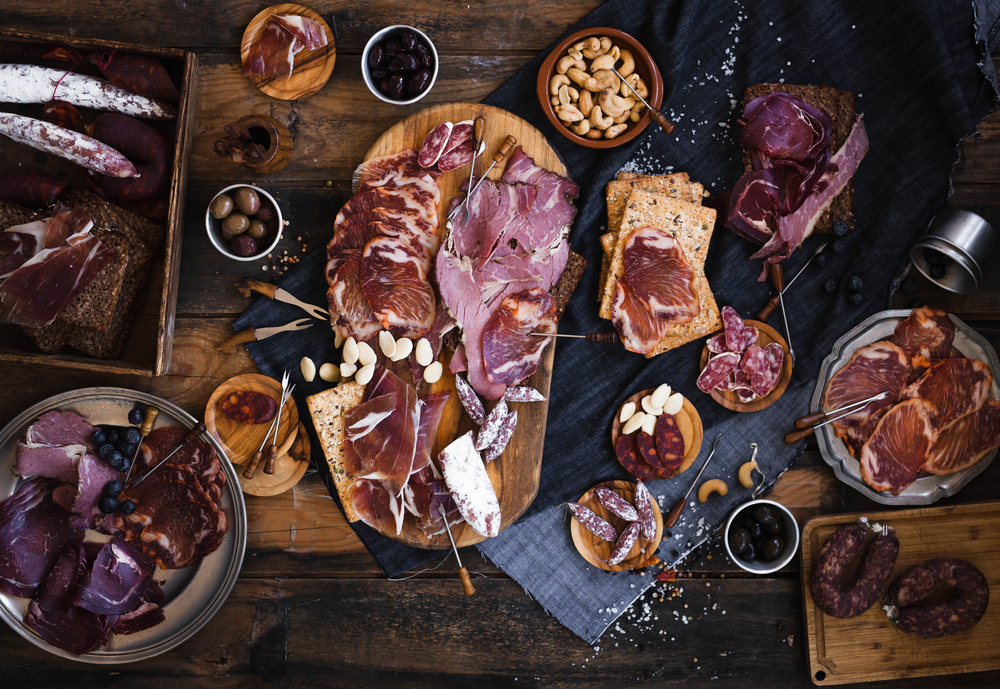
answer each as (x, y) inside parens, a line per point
(839, 105)
(50, 338)
(327, 409)
(692, 226)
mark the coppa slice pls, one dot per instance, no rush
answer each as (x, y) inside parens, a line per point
(394, 282)
(395, 172)
(956, 387)
(637, 328)
(928, 331)
(405, 199)
(349, 309)
(893, 456)
(877, 367)
(510, 351)
(964, 442)
(660, 275)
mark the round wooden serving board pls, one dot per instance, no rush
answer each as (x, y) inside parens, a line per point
(242, 440)
(766, 335)
(596, 551)
(312, 68)
(289, 469)
(688, 420)
(516, 472)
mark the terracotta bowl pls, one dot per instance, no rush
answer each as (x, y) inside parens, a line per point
(644, 66)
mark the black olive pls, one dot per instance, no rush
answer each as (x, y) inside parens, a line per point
(756, 529)
(777, 528)
(426, 57)
(739, 539)
(244, 245)
(419, 81)
(855, 298)
(917, 304)
(765, 514)
(409, 39)
(938, 271)
(98, 437)
(854, 284)
(135, 416)
(932, 257)
(395, 66)
(750, 554)
(113, 436)
(909, 287)
(379, 73)
(132, 435)
(408, 61)
(376, 56)
(838, 246)
(392, 46)
(113, 488)
(105, 451)
(383, 86)
(108, 505)
(127, 507)
(821, 260)
(840, 228)
(772, 548)
(396, 87)
(830, 286)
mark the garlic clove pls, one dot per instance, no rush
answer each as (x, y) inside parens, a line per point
(649, 424)
(365, 374)
(351, 352)
(366, 355)
(308, 368)
(432, 373)
(634, 423)
(387, 343)
(338, 339)
(660, 395)
(674, 403)
(347, 370)
(404, 346)
(330, 373)
(626, 413)
(649, 407)
(424, 353)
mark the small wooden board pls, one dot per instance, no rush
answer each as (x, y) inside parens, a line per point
(766, 335)
(289, 469)
(312, 68)
(688, 421)
(516, 472)
(596, 551)
(868, 647)
(242, 440)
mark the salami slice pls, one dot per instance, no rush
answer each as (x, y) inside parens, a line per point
(504, 433)
(717, 344)
(669, 443)
(624, 543)
(511, 353)
(775, 358)
(491, 426)
(746, 395)
(618, 505)
(434, 144)
(460, 133)
(644, 506)
(396, 287)
(523, 393)
(646, 445)
(592, 523)
(470, 401)
(627, 451)
(754, 363)
(869, 582)
(717, 370)
(457, 157)
(738, 335)
(944, 619)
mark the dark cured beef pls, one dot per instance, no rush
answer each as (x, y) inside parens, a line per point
(94, 474)
(147, 614)
(116, 582)
(196, 453)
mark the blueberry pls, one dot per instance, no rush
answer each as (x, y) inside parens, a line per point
(106, 450)
(909, 287)
(108, 505)
(127, 507)
(855, 298)
(821, 260)
(135, 416)
(917, 304)
(840, 228)
(938, 271)
(113, 436)
(98, 437)
(854, 284)
(113, 488)
(830, 286)
(128, 449)
(133, 435)
(839, 245)
(126, 464)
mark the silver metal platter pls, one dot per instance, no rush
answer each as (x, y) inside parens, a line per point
(928, 488)
(193, 594)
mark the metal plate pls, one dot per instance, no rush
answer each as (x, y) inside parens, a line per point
(926, 489)
(193, 594)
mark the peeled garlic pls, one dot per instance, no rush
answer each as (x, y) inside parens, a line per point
(634, 423)
(387, 343)
(338, 339)
(432, 373)
(673, 403)
(365, 374)
(347, 370)
(366, 355)
(626, 413)
(329, 373)
(660, 395)
(308, 369)
(649, 407)
(425, 355)
(649, 424)
(350, 355)
(404, 346)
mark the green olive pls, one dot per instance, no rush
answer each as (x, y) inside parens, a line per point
(221, 206)
(247, 201)
(234, 224)
(258, 230)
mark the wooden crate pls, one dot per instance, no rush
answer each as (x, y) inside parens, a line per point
(150, 342)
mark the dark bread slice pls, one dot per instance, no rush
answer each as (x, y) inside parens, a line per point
(50, 338)
(839, 105)
(108, 344)
(12, 214)
(567, 282)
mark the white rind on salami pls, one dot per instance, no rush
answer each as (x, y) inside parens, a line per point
(470, 486)
(717, 371)
(65, 143)
(488, 433)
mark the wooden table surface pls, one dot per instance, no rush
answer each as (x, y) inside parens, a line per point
(312, 607)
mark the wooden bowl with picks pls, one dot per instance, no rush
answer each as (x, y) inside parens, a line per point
(289, 469)
(688, 421)
(596, 551)
(242, 440)
(730, 400)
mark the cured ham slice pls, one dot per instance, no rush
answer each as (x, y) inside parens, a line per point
(929, 332)
(394, 282)
(510, 352)
(19, 243)
(272, 53)
(426, 494)
(892, 458)
(638, 330)
(397, 171)
(965, 442)
(431, 409)
(956, 387)
(194, 453)
(404, 199)
(874, 368)
(349, 309)
(376, 507)
(116, 582)
(660, 275)
(53, 446)
(555, 212)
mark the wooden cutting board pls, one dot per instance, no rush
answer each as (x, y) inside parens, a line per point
(516, 472)
(869, 648)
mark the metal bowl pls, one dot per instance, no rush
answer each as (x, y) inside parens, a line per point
(791, 540)
(380, 35)
(213, 226)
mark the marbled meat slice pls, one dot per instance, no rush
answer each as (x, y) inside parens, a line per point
(874, 368)
(425, 494)
(53, 446)
(928, 331)
(965, 442)
(754, 364)
(434, 144)
(717, 371)
(627, 452)
(669, 443)
(116, 582)
(893, 456)
(376, 507)
(147, 614)
(431, 409)
(59, 428)
(353, 237)
(716, 344)
(956, 387)
(395, 284)
(404, 199)
(409, 220)
(638, 330)
(350, 311)
(775, 358)
(94, 473)
(737, 334)
(660, 275)
(195, 453)
(397, 171)
(510, 352)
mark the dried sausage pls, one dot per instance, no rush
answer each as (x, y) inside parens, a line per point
(618, 505)
(434, 144)
(504, 433)
(248, 406)
(717, 371)
(523, 393)
(34, 189)
(75, 147)
(943, 619)
(593, 523)
(869, 582)
(470, 401)
(139, 74)
(644, 506)
(624, 543)
(144, 146)
(627, 451)
(669, 444)
(491, 426)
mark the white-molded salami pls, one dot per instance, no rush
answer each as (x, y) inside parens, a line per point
(503, 437)
(434, 144)
(65, 143)
(466, 478)
(488, 433)
(717, 370)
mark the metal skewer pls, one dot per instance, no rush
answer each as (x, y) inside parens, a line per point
(144, 430)
(776, 299)
(657, 116)
(252, 467)
(478, 130)
(846, 410)
(502, 152)
(197, 430)
(462, 571)
(606, 338)
(675, 511)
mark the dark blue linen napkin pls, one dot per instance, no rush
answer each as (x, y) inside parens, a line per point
(924, 78)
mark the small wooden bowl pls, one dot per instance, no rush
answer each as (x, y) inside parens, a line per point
(240, 440)
(645, 66)
(312, 68)
(688, 420)
(729, 400)
(288, 469)
(597, 551)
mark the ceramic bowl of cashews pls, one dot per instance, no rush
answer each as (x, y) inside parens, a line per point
(584, 87)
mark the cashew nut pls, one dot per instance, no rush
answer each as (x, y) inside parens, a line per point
(616, 52)
(568, 113)
(595, 134)
(636, 82)
(598, 121)
(614, 131)
(715, 485)
(564, 94)
(603, 62)
(592, 48)
(575, 54)
(603, 79)
(628, 63)
(578, 76)
(611, 104)
(555, 101)
(581, 128)
(579, 46)
(623, 117)
(746, 479)
(557, 81)
(574, 95)
(586, 103)
(636, 113)
(568, 61)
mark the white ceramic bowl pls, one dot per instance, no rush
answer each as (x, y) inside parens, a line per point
(791, 539)
(380, 35)
(214, 226)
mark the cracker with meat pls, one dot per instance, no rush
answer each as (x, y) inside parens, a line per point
(327, 409)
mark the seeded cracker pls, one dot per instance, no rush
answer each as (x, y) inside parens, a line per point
(327, 409)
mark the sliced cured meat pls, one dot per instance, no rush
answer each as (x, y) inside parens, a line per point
(893, 455)
(872, 577)
(366, 417)
(460, 156)
(33, 531)
(431, 409)
(554, 193)
(775, 358)
(503, 437)
(755, 364)
(956, 387)
(660, 275)
(394, 282)
(376, 507)
(407, 220)
(638, 330)
(147, 614)
(434, 144)
(53, 446)
(387, 453)
(646, 445)
(94, 473)
(928, 331)
(874, 368)
(443, 323)
(194, 453)
(19, 243)
(460, 133)
(428, 493)
(470, 485)
(738, 334)
(396, 171)
(352, 237)
(272, 52)
(116, 582)
(627, 452)
(943, 619)
(59, 428)
(350, 311)
(717, 371)
(403, 199)
(510, 352)
(717, 344)
(669, 443)
(470, 401)
(964, 442)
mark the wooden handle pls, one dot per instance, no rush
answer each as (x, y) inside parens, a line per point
(252, 466)
(796, 436)
(247, 286)
(466, 581)
(147, 423)
(504, 151)
(811, 420)
(239, 338)
(675, 513)
(769, 308)
(777, 274)
(605, 338)
(479, 130)
(272, 454)
(662, 120)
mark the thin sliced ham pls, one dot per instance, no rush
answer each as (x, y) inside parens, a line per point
(20, 242)
(272, 53)
(396, 171)
(638, 330)
(892, 457)
(511, 353)
(965, 442)
(376, 507)
(660, 275)
(387, 453)
(349, 309)
(956, 387)
(53, 446)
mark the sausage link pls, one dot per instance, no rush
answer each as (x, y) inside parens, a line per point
(870, 580)
(943, 619)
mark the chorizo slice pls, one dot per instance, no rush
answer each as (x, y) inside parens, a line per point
(944, 619)
(869, 582)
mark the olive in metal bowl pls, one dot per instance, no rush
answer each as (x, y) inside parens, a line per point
(247, 201)
(739, 540)
(766, 515)
(266, 212)
(222, 205)
(257, 229)
(244, 245)
(420, 80)
(408, 39)
(408, 61)
(376, 56)
(235, 224)
(396, 86)
(772, 548)
(755, 528)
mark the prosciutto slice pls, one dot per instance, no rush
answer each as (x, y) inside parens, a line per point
(403, 199)
(892, 458)
(510, 352)
(877, 367)
(116, 582)
(660, 275)
(349, 309)
(272, 53)
(431, 409)
(395, 172)
(426, 494)
(394, 281)
(638, 330)
(956, 387)
(928, 332)
(53, 446)
(965, 442)
(19, 243)
(147, 614)
(376, 507)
